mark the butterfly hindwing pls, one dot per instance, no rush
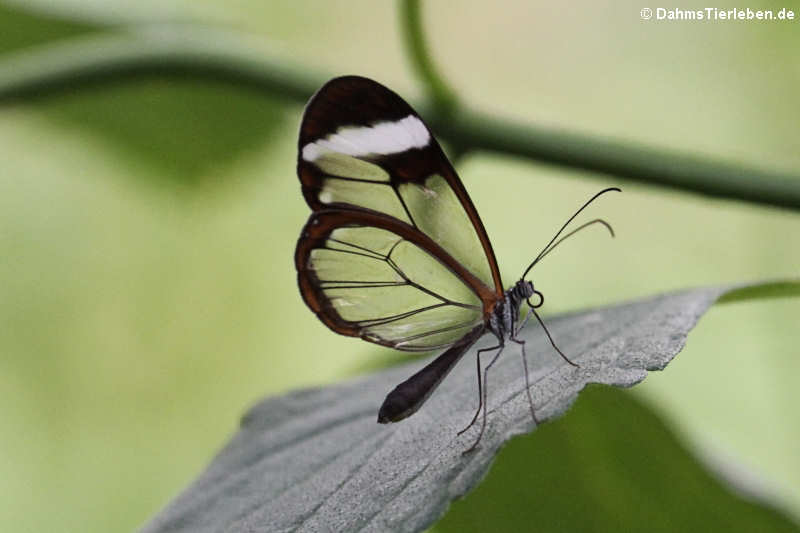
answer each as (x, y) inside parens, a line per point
(372, 276)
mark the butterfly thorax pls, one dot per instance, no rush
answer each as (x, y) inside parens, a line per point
(504, 317)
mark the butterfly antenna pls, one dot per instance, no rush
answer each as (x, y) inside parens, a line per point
(576, 230)
(547, 248)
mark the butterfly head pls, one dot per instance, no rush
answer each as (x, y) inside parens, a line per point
(523, 290)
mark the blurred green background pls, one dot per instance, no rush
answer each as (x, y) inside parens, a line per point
(147, 228)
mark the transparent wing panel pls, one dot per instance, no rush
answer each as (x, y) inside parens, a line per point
(432, 205)
(437, 211)
(395, 292)
(377, 196)
(346, 166)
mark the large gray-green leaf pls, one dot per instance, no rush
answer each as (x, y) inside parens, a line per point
(317, 460)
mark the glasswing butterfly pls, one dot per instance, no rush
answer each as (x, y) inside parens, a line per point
(394, 251)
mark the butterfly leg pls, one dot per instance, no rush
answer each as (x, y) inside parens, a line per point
(567, 359)
(480, 395)
(524, 322)
(527, 379)
(484, 402)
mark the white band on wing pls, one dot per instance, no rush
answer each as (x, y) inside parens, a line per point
(381, 139)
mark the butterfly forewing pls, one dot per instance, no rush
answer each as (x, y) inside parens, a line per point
(362, 146)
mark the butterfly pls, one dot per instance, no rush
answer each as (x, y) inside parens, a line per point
(394, 251)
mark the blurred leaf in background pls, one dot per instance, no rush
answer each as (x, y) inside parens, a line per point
(186, 129)
(147, 226)
(22, 28)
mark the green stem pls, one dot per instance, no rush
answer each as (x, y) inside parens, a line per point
(193, 53)
(181, 52)
(477, 131)
(443, 96)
